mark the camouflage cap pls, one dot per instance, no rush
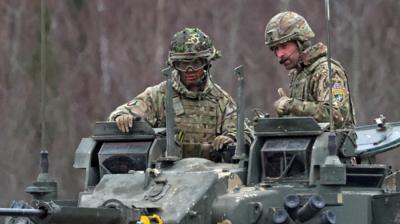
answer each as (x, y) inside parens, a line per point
(287, 26)
(191, 43)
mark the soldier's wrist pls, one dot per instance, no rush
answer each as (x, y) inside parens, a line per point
(134, 114)
(113, 116)
(117, 115)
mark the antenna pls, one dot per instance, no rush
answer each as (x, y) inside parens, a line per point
(328, 24)
(43, 136)
(332, 146)
(44, 188)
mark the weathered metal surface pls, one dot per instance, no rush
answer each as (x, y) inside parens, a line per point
(293, 126)
(184, 186)
(372, 139)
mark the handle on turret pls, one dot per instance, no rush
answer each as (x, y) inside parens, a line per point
(332, 145)
(172, 153)
(240, 117)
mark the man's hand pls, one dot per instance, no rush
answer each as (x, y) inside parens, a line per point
(220, 141)
(124, 122)
(281, 105)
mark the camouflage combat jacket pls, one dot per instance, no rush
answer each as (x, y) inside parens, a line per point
(199, 116)
(309, 88)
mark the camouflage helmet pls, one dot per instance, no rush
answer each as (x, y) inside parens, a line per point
(287, 26)
(191, 43)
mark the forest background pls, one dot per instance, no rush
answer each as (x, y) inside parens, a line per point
(101, 53)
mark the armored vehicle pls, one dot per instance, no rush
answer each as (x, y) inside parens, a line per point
(294, 172)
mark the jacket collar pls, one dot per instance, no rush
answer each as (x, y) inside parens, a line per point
(312, 54)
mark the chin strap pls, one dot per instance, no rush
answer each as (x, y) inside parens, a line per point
(203, 79)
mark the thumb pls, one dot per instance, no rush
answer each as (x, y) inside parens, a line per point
(281, 92)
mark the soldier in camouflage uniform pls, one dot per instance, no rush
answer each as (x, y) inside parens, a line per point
(205, 114)
(288, 35)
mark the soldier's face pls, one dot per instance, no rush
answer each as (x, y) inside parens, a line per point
(288, 54)
(191, 77)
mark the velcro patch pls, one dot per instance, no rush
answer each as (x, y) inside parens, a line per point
(339, 92)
